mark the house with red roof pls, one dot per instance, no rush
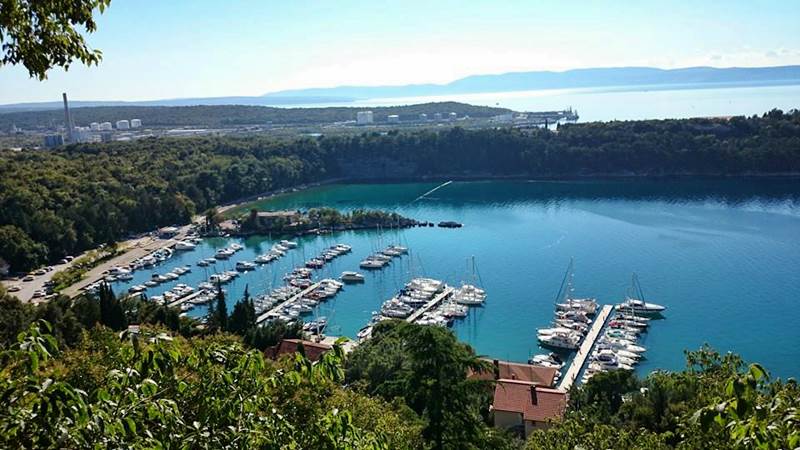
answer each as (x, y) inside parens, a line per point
(524, 396)
(525, 407)
(313, 350)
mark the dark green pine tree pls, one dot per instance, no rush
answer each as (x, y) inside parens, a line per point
(111, 313)
(218, 312)
(243, 317)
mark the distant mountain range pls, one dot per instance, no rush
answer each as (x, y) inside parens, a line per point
(517, 81)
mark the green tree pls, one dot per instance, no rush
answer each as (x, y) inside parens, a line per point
(428, 368)
(20, 250)
(44, 34)
(111, 313)
(243, 316)
(218, 311)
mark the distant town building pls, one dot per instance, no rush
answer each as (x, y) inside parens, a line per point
(84, 134)
(364, 117)
(53, 140)
(94, 126)
(423, 117)
(136, 123)
(106, 126)
(393, 118)
(123, 124)
(437, 116)
(453, 116)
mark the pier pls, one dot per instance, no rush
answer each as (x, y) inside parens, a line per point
(186, 298)
(427, 306)
(586, 348)
(273, 311)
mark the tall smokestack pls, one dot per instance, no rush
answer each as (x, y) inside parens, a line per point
(68, 119)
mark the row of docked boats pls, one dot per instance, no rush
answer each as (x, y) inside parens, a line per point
(157, 279)
(328, 255)
(381, 259)
(619, 348)
(295, 306)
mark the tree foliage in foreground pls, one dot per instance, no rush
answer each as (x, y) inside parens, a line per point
(428, 369)
(156, 392)
(718, 402)
(43, 34)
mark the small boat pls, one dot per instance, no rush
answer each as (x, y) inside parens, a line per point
(245, 265)
(315, 263)
(265, 259)
(352, 277)
(371, 264)
(640, 307)
(202, 263)
(137, 288)
(549, 360)
(288, 244)
(185, 245)
(560, 340)
(223, 253)
(236, 247)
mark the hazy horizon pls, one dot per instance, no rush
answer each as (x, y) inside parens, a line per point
(154, 50)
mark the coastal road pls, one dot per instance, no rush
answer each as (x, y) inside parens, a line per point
(136, 248)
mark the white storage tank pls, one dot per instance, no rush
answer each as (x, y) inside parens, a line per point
(123, 124)
(94, 126)
(106, 126)
(136, 123)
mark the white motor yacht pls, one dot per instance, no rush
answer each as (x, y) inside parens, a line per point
(352, 277)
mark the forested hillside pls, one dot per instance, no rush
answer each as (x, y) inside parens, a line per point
(53, 203)
(230, 115)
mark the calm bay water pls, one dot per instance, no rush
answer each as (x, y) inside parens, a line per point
(722, 255)
(626, 102)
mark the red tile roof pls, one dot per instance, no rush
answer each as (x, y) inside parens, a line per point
(536, 404)
(542, 376)
(313, 350)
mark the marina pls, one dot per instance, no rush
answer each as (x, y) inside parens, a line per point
(524, 233)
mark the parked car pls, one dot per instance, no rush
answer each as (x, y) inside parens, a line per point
(69, 258)
(39, 293)
(14, 288)
(63, 261)
(28, 278)
(40, 272)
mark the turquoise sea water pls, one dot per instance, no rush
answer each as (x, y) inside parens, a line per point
(722, 255)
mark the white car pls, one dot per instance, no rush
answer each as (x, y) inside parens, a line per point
(14, 288)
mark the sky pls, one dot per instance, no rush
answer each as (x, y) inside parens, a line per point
(155, 49)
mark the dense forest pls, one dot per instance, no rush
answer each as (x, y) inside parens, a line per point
(229, 115)
(54, 203)
(70, 380)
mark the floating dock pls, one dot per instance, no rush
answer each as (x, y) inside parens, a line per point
(273, 311)
(427, 306)
(586, 348)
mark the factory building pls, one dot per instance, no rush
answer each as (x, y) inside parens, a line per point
(53, 140)
(364, 117)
